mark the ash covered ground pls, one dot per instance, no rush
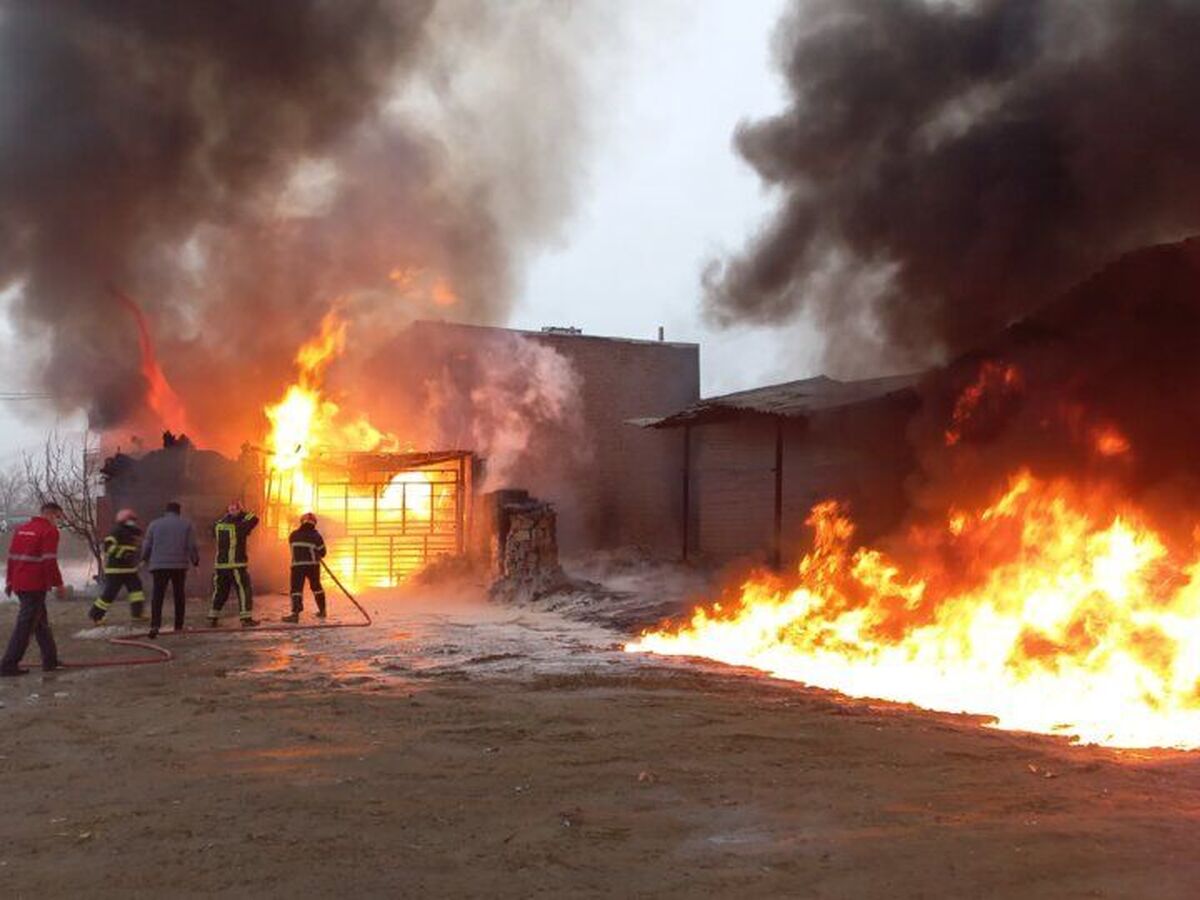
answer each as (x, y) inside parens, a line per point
(465, 748)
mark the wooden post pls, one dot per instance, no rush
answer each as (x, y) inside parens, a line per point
(460, 487)
(687, 484)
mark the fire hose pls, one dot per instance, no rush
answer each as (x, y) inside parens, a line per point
(165, 655)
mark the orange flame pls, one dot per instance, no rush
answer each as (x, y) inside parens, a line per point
(1108, 441)
(305, 422)
(160, 396)
(420, 284)
(995, 380)
(1052, 610)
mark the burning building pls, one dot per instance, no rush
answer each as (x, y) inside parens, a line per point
(385, 516)
(955, 202)
(393, 467)
(1047, 570)
(202, 481)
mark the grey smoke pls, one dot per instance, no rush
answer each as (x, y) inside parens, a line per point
(943, 167)
(239, 166)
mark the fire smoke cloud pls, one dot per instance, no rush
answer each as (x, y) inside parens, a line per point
(1094, 386)
(509, 397)
(945, 167)
(238, 167)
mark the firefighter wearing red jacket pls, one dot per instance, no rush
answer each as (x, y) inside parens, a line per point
(32, 571)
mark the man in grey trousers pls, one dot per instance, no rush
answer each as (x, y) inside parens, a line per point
(168, 547)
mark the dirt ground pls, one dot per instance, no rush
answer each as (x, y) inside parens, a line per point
(461, 750)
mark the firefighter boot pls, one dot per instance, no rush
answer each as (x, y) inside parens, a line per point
(213, 622)
(249, 623)
(297, 605)
(96, 614)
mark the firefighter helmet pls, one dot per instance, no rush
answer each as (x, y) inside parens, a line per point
(308, 519)
(126, 515)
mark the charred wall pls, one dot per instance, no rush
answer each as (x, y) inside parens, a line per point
(859, 455)
(202, 481)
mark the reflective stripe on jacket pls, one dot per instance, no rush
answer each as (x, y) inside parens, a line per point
(33, 557)
(121, 549)
(308, 547)
(232, 533)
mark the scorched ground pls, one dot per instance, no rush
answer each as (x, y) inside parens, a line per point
(462, 745)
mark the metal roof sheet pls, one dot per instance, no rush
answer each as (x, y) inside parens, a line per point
(792, 398)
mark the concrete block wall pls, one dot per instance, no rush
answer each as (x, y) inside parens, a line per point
(630, 489)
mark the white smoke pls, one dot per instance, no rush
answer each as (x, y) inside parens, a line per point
(531, 389)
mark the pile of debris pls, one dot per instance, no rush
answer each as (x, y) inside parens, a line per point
(524, 547)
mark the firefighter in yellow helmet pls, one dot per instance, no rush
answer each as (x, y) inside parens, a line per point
(232, 532)
(121, 552)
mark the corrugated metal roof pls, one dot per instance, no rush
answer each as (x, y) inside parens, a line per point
(792, 398)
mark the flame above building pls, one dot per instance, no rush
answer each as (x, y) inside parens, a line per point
(308, 429)
(161, 398)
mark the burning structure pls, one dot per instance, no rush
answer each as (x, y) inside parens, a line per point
(1048, 571)
(945, 173)
(385, 516)
(935, 200)
(542, 411)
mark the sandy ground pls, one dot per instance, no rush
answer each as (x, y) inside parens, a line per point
(464, 750)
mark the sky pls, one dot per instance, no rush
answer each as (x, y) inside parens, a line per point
(665, 194)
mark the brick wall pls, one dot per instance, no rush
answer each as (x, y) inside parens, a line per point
(612, 484)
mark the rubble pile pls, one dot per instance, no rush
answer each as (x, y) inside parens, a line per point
(524, 548)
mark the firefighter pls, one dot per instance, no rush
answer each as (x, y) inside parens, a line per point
(308, 549)
(230, 573)
(121, 550)
(32, 571)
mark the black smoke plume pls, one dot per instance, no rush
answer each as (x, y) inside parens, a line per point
(1102, 388)
(945, 167)
(238, 167)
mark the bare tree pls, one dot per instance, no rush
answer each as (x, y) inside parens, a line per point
(15, 496)
(66, 471)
